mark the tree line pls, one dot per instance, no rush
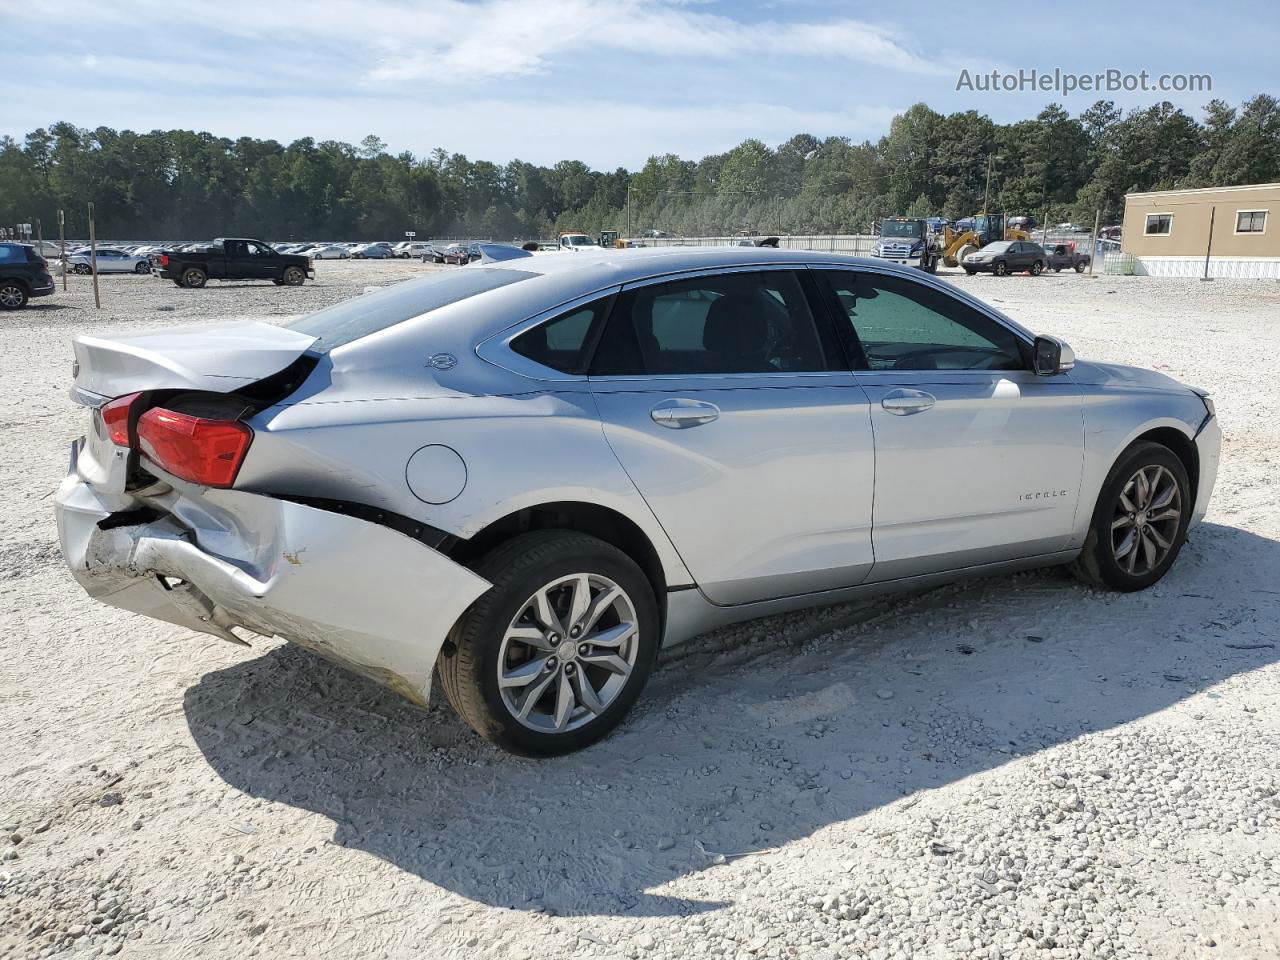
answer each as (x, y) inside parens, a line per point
(180, 184)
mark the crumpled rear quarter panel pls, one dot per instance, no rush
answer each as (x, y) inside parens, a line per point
(376, 601)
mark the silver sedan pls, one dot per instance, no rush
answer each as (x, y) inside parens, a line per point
(109, 260)
(573, 461)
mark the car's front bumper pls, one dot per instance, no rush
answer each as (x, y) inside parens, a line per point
(376, 601)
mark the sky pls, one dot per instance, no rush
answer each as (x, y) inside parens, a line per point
(609, 82)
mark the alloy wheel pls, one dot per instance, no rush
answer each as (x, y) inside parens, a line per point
(1144, 527)
(10, 296)
(568, 653)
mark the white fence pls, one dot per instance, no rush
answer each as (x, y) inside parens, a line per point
(850, 244)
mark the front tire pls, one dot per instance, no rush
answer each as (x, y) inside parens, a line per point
(142, 267)
(83, 269)
(1140, 520)
(1079, 267)
(551, 658)
(293, 276)
(1000, 269)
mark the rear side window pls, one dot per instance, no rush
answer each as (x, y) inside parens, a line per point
(12, 252)
(562, 343)
(372, 312)
(748, 322)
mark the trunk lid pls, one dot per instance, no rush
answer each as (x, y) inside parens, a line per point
(218, 358)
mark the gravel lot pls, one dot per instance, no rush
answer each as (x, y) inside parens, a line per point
(1015, 768)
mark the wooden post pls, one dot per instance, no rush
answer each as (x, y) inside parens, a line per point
(62, 247)
(1213, 212)
(93, 258)
(1093, 244)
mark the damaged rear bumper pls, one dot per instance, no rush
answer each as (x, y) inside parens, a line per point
(374, 600)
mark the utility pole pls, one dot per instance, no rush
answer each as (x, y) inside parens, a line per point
(986, 194)
(62, 248)
(1213, 211)
(1093, 244)
(93, 257)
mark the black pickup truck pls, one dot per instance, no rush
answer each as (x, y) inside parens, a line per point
(1063, 256)
(230, 259)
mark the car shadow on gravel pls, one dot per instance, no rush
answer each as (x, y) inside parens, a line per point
(746, 739)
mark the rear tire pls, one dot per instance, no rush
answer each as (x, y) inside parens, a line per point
(1131, 549)
(1037, 268)
(552, 662)
(13, 295)
(193, 278)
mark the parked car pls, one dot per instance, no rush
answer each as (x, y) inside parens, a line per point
(49, 249)
(110, 260)
(737, 432)
(230, 259)
(455, 253)
(1007, 256)
(415, 248)
(23, 274)
(1064, 256)
(330, 251)
(373, 251)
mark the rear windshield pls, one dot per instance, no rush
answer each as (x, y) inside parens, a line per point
(372, 312)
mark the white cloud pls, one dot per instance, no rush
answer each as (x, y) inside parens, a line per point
(516, 37)
(466, 41)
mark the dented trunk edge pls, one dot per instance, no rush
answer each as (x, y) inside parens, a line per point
(374, 600)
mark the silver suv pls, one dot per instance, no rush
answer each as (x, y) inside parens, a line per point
(530, 476)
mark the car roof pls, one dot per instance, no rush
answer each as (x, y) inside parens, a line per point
(609, 265)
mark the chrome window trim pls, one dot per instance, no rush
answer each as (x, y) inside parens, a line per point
(497, 348)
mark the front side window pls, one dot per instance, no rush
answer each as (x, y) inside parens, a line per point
(747, 322)
(1159, 224)
(904, 325)
(1251, 221)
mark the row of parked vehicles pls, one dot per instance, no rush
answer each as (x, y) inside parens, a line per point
(985, 242)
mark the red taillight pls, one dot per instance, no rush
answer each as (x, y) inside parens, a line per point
(115, 417)
(203, 451)
(164, 259)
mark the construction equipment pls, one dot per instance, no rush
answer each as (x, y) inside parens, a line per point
(909, 241)
(609, 238)
(987, 228)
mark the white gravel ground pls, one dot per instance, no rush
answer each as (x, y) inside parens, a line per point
(1016, 768)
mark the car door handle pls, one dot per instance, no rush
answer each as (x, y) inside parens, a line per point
(680, 413)
(903, 403)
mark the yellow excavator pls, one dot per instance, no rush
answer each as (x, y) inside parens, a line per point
(987, 228)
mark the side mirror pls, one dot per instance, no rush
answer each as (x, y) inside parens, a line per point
(1053, 356)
